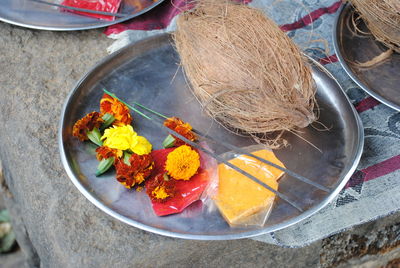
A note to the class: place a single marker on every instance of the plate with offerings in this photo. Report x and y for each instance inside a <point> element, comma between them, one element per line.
<point>207,134</point>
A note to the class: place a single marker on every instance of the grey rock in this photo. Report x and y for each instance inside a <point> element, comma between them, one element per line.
<point>13,260</point>
<point>373,243</point>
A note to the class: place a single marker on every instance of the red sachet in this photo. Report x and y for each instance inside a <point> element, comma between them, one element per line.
<point>187,192</point>
<point>111,6</point>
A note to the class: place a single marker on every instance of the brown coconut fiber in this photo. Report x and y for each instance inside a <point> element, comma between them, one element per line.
<point>246,73</point>
<point>383,20</point>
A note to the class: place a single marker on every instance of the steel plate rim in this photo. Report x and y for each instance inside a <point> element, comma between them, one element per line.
<point>347,68</point>
<point>100,25</point>
<point>131,222</point>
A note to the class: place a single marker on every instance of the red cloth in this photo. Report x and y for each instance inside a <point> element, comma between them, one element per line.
<point>311,17</point>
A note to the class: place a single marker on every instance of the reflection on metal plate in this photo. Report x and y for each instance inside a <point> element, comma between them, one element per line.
<point>147,72</point>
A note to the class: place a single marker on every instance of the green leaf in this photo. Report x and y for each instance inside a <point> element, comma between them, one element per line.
<point>7,242</point>
<point>108,120</point>
<point>126,158</point>
<point>169,141</point>
<point>4,216</point>
<point>95,136</point>
<point>104,165</point>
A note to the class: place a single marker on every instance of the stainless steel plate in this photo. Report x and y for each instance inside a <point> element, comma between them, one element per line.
<point>34,15</point>
<point>147,72</point>
<point>383,81</point>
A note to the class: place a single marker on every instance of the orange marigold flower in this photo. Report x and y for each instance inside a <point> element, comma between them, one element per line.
<point>87,123</point>
<point>185,129</point>
<point>139,169</point>
<point>104,152</point>
<point>182,163</point>
<point>161,188</point>
<point>119,110</point>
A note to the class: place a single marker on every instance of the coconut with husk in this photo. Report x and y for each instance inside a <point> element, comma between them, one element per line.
<point>245,71</point>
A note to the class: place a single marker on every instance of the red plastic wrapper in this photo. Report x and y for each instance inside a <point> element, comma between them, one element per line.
<point>111,6</point>
<point>187,192</point>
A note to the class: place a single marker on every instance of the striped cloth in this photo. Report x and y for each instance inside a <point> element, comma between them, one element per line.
<point>374,190</point>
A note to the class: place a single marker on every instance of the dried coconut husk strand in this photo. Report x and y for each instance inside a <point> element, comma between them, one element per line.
<point>383,20</point>
<point>246,73</point>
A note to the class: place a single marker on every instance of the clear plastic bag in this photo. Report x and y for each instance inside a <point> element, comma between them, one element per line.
<point>241,201</point>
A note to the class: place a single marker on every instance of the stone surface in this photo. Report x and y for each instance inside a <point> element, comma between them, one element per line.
<point>13,260</point>
<point>373,244</point>
<point>56,226</point>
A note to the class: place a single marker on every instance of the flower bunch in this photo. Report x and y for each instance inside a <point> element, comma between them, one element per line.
<point>119,144</point>
<point>172,176</point>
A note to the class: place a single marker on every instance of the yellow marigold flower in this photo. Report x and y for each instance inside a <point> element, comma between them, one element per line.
<point>182,163</point>
<point>124,138</point>
<point>143,146</point>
